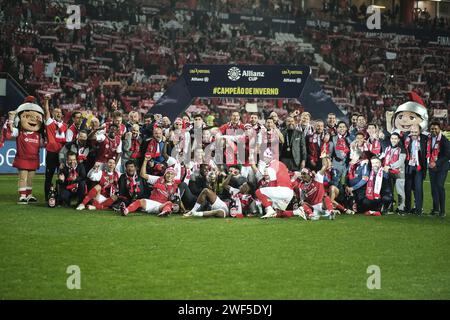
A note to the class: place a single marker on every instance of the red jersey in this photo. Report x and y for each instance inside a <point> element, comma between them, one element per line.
<point>314,143</point>
<point>122,128</point>
<point>27,156</point>
<point>231,148</point>
<point>162,192</point>
<point>56,135</point>
<point>109,148</point>
<point>109,183</point>
<point>71,133</point>
<point>314,191</point>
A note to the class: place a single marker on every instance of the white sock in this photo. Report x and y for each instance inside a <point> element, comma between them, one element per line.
<point>197,214</point>
<point>196,207</point>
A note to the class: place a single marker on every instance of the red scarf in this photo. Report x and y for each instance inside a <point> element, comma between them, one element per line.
<point>325,148</point>
<point>375,147</point>
<point>133,185</point>
<point>408,154</point>
<point>373,186</point>
<point>352,170</point>
<point>153,148</point>
<point>135,148</point>
<point>391,156</point>
<point>433,151</point>
<point>342,145</point>
<point>73,175</point>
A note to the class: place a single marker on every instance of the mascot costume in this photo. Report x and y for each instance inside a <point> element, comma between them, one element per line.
<point>405,116</point>
<point>408,114</point>
<point>25,124</point>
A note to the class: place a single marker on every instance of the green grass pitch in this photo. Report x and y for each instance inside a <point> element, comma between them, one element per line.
<point>146,257</point>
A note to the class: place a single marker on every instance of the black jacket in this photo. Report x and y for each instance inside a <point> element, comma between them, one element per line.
<point>81,176</point>
<point>124,192</point>
<point>297,144</point>
<point>422,154</point>
<point>442,163</point>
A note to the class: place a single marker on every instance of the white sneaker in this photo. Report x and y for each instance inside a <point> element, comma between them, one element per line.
<point>90,207</point>
<point>336,212</point>
<point>81,207</point>
<point>301,213</point>
<point>348,211</point>
<point>187,214</point>
<point>270,213</point>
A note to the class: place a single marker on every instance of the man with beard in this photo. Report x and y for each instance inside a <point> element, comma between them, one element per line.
<point>378,192</point>
<point>314,144</point>
<point>293,150</point>
<point>340,151</point>
<point>72,131</point>
<point>394,163</point>
<point>415,169</point>
<point>55,130</point>
<point>104,193</point>
<point>79,147</point>
<point>132,145</point>
<point>109,146</point>
<point>71,181</point>
<point>438,155</point>
<point>164,188</point>
<point>357,176</point>
<point>233,128</point>
<point>314,199</point>
<point>157,151</point>
<point>131,185</point>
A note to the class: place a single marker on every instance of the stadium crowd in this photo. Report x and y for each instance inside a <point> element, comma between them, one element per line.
<point>109,151</point>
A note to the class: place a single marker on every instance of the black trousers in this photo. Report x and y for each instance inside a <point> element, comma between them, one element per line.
<point>414,181</point>
<point>437,182</point>
<point>186,196</point>
<point>51,164</point>
<point>65,196</point>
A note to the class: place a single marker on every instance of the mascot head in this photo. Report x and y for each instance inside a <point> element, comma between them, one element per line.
<point>411,113</point>
<point>29,116</point>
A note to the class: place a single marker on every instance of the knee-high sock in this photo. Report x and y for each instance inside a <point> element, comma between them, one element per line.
<point>167,207</point>
<point>327,203</point>
<point>134,206</point>
<point>308,210</point>
<point>23,192</point>
<point>340,207</point>
<point>265,201</point>
<point>285,214</point>
<point>104,205</point>
<point>91,195</point>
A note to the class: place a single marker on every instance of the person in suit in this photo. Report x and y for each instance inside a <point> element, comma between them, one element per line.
<point>438,155</point>
<point>293,150</point>
<point>72,181</point>
<point>415,169</point>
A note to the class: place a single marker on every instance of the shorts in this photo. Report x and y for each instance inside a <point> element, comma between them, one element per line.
<point>151,206</point>
<point>219,204</point>
<point>100,198</point>
<point>280,196</point>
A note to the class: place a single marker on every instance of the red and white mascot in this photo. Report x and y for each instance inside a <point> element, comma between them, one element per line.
<point>25,124</point>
